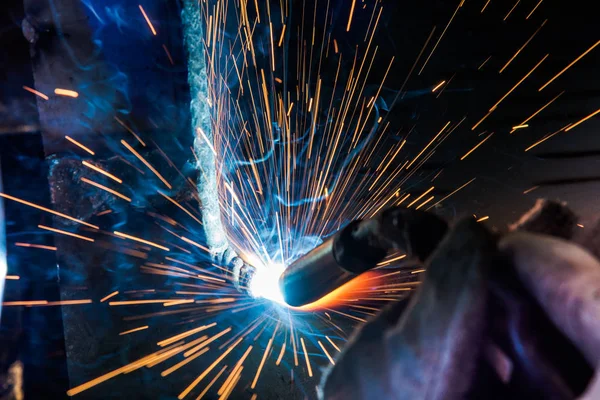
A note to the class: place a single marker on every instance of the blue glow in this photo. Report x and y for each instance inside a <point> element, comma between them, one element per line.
<point>265,283</point>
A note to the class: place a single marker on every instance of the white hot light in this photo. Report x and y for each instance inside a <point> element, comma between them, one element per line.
<point>265,283</point>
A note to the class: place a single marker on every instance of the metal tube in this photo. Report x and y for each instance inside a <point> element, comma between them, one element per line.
<point>358,248</point>
<point>313,275</point>
<point>331,264</point>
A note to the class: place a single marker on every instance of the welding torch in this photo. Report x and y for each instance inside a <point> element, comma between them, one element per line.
<point>357,248</point>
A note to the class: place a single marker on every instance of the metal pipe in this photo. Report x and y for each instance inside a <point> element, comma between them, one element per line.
<point>358,248</point>
<point>216,238</point>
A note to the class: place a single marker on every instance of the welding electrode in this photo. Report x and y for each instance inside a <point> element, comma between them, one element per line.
<point>357,248</point>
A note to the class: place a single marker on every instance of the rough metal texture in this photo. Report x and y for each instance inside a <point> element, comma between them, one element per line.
<point>216,239</point>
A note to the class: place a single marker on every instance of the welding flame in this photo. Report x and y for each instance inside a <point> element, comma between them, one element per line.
<point>265,283</point>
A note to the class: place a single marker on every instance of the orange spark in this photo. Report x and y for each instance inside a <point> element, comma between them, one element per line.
<point>116,292</point>
<point>518,83</point>
<point>350,16</point>
<point>534,8</point>
<point>13,277</point>
<point>420,197</point>
<point>569,66</point>
<point>36,246</point>
<point>137,239</point>
<point>280,354</point>
<point>425,202</point>
<point>539,111</point>
<point>146,163</point>
<point>178,302</point>
<point>230,382</point>
<point>428,144</point>
<point>25,303</point>
<point>333,344</point>
<point>168,54</point>
<point>76,143</point>
<point>483,63</point>
<point>439,85</point>
<point>109,190</point>
<point>480,121</point>
<point>522,47</point>
<point>184,362</point>
<point>262,363</point>
<point>485,6</point>
<point>180,207</point>
<point>326,353</point>
<point>137,302</point>
<point>403,199</point>
<point>211,383</point>
<point>207,370</point>
<point>141,328</point>
<point>66,92</point>
<point>147,20</point>
<point>282,36</point>
<point>582,120</point>
<point>195,244</point>
<point>441,36</point>
<point>272,46</point>
<point>306,357</point>
<point>511,10</point>
<point>31,303</point>
<point>100,170</point>
<point>183,335</point>
<point>66,233</point>
<point>68,302</point>
<point>386,262</point>
<point>475,148</point>
<point>531,189</point>
<point>542,140</point>
<point>37,93</point>
<point>124,125</point>
<point>125,369</point>
<point>207,342</point>
<point>483,218</point>
<point>463,186</point>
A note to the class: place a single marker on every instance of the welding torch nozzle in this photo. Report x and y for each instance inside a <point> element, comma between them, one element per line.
<point>357,248</point>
